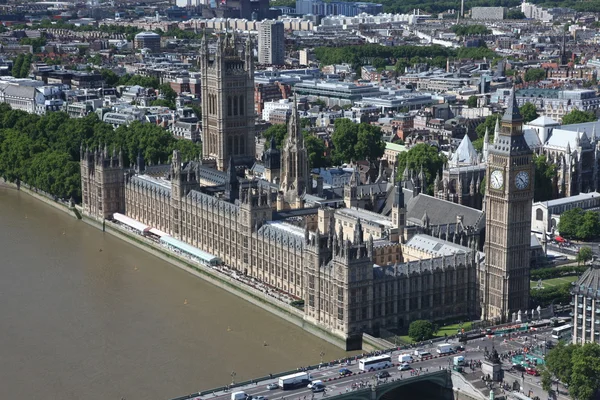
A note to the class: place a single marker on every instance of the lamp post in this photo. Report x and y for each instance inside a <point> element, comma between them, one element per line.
<point>233,374</point>
<point>322,354</point>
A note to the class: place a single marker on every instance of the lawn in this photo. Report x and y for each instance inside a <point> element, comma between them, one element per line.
<point>554,281</point>
<point>448,329</point>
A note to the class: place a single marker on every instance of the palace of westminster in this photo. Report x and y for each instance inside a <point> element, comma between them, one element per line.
<point>369,256</point>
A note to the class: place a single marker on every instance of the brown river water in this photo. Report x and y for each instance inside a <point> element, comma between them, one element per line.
<point>87,316</point>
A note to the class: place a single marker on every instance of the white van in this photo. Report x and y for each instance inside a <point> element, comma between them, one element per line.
<point>404,358</point>
<point>422,354</point>
<point>238,396</point>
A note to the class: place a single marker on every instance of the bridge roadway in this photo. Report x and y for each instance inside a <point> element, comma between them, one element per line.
<point>336,385</point>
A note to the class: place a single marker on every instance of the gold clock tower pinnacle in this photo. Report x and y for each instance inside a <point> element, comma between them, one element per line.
<point>504,280</point>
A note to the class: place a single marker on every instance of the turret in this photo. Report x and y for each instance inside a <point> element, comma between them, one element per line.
<point>140,163</point>
<point>358,233</point>
<point>232,183</point>
<point>497,130</point>
<point>486,143</point>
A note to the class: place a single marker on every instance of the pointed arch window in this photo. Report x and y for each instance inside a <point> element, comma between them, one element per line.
<point>242,105</point>
<point>229,107</point>
<point>235,105</point>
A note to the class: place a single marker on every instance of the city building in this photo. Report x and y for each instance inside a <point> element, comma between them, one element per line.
<point>573,149</point>
<point>488,13</point>
<point>303,57</point>
<point>270,107</point>
<point>271,43</point>
<point>30,96</point>
<point>586,306</point>
<point>556,103</point>
<point>504,281</point>
<point>351,284</point>
<point>228,103</point>
<point>335,92</point>
<point>461,179</point>
<point>349,9</point>
<point>147,40</point>
<point>545,215</point>
<point>269,92</point>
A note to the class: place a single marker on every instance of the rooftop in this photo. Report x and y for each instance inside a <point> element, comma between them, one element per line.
<point>571,199</point>
<point>366,216</point>
<point>435,246</point>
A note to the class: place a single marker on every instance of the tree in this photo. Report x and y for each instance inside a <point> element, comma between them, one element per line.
<point>490,124</point>
<point>576,366</point>
<point>578,117</point>
<point>535,74</point>
<point>579,224</point>
<point>369,145</point>
<point>420,330</point>
<point>544,172</point>
<point>515,14</point>
<point>197,110</point>
<point>353,142</point>
<point>163,103</point>
<point>44,151</point>
<point>315,149</point>
<point>422,156</point>
<point>472,102</point>
<point>470,30</point>
<point>584,254</point>
<point>110,78</point>
<point>16,68</point>
<point>279,131</point>
<point>167,92</point>
<point>528,112</point>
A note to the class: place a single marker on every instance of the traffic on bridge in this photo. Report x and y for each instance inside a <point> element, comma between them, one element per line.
<point>360,372</point>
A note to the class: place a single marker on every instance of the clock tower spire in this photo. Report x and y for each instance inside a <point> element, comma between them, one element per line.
<point>504,280</point>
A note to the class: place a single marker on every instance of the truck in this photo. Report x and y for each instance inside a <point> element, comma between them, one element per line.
<point>459,361</point>
<point>238,396</point>
<point>445,348</point>
<point>404,358</point>
<point>301,379</point>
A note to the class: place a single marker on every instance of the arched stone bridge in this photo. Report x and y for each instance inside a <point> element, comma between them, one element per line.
<point>437,384</point>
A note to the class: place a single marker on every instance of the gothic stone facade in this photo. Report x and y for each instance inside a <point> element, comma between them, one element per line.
<point>227,103</point>
<point>345,292</point>
<point>509,179</point>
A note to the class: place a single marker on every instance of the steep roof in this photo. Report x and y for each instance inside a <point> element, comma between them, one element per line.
<point>465,153</point>
<point>561,138</point>
<point>590,280</point>
<point>512,113</point>
<point>543,121</point>
<point>442,212</point>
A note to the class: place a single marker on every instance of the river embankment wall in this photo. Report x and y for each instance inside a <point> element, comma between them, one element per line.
<point>254,296</point>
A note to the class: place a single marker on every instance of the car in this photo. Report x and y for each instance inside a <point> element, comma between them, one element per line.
<point>532,371</point>
<point>345,371</point>
<point>518,367</point>
<point>404,367</point>
<point>459,348</point>
<point>383,375</point>
<point>318,388</point>
<point>259,398</point>
<point>314,383</point>
<point>272,386</point>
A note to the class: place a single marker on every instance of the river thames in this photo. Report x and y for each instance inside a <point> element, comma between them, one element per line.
<point>87,316</point>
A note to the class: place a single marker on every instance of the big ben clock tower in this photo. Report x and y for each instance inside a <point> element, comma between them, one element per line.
<point>504,282</point>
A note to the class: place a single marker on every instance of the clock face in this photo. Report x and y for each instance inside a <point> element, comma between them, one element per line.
<point>522,180</point>
<point>497,179</point>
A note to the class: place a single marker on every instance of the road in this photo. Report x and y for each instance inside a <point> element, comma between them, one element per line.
<point>474,350</point>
